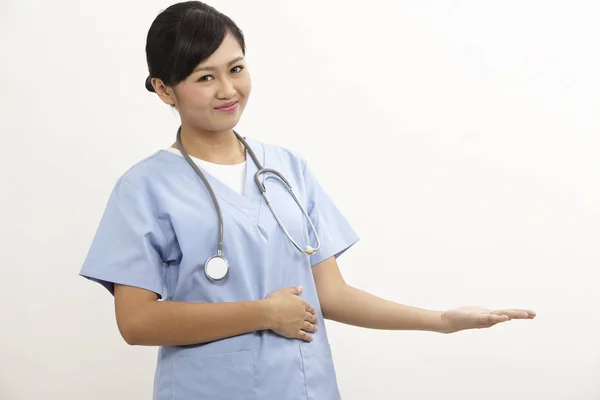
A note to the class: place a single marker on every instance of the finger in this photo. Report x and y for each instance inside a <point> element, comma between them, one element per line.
<point>308,327</point>
<point>310,309</point>
<point>524,314</point>
<point>489,319</point>
<point>297,289</point>
<point>304,336</point>
<point>311,318</point>
<point>516,314</point>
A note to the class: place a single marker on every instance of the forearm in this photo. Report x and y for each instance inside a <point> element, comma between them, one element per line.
<point>353,306</point>
<point>169,323</point>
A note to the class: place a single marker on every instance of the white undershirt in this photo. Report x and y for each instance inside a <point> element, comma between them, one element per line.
<point>233,176</point>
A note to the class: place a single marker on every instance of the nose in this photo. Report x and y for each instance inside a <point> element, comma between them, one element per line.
<point>226,90</point>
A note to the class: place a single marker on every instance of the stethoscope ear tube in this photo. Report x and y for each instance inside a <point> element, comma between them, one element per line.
<point>217,267</point>
<point>208,187</point>
<point>261,171</point>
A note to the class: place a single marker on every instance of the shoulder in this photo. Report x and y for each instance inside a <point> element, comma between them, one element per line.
<point>149,171</point>
<point>281,155</point>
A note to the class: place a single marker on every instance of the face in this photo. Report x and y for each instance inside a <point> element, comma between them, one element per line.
<point>214,95</point>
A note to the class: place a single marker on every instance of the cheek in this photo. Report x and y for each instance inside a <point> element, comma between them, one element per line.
<point>194,97</point>
<point>244,88</point>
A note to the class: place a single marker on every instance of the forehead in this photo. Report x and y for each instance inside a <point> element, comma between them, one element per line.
<point>227,51</point>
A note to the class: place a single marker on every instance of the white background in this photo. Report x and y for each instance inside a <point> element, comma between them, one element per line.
<point>460,138</point>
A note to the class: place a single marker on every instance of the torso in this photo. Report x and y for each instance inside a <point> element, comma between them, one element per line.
<point>258,365</point>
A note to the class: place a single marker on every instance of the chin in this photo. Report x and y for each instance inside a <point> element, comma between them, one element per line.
<point>224,127</point>
<point>226,123</point>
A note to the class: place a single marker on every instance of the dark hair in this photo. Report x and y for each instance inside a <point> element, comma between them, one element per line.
<point>182,36</point>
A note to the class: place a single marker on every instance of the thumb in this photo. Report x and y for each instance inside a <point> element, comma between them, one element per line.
<point>297,289</point>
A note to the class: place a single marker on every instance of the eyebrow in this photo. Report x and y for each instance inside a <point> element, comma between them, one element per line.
<point>207,68</point>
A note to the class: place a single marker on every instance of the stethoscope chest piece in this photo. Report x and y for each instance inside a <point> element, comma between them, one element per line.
<point>216,268</point>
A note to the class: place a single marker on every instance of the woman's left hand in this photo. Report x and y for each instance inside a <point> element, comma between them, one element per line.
<point>476,317</point>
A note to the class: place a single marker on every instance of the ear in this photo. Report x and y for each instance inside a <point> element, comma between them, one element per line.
<point>166,93</point>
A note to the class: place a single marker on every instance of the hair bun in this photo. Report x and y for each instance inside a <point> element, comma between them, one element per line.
<point>149,84</point>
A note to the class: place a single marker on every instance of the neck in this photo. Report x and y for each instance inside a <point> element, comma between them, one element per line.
<point>215,147</point>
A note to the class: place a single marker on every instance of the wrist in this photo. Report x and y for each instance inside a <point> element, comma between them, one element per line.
<point>435,321</point>
<point>443,323</point>
<point>264,314</point>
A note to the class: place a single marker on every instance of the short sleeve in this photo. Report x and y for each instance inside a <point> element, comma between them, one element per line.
<point>127,247</point>
<point>334,230</point>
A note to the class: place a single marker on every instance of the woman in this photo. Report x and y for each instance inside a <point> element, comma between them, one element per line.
<point>246,324</point>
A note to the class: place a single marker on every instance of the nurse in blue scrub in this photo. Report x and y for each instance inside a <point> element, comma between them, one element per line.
<point>233,288</point>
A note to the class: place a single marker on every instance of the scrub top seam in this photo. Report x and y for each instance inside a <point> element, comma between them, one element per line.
<point>303,371</point>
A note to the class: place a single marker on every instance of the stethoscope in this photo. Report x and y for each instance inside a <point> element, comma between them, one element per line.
<point>216,267</point>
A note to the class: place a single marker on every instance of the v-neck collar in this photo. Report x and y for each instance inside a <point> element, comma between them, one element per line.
<point>247,202</point>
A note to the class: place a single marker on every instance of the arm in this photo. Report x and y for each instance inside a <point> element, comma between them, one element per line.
<point>343,303</point>
<point>142,320</point>
<point>346,304</point>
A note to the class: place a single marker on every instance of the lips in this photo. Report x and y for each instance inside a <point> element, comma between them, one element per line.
<point>226,105</point>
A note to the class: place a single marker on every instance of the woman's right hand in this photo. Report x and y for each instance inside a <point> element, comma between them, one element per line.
<point>289,315</point>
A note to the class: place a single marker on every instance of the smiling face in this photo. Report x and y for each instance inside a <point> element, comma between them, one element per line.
<point>213,97</point>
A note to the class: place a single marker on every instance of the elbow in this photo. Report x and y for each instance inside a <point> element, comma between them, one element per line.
<point>130,330</point>
<point>330,310</point>
<point>130,338</point>
<point>327,308</point>
<point>331,300</point>
<point>129,333</point>
<point>132,311</point>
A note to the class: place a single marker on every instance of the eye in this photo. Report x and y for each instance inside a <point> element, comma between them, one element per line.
<point>205,78</point>
<point>237,69</point>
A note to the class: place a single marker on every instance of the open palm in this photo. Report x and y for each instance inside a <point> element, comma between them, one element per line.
<point>477,317</point>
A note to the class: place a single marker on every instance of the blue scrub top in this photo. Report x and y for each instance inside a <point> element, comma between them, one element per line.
<point>159,228</point>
